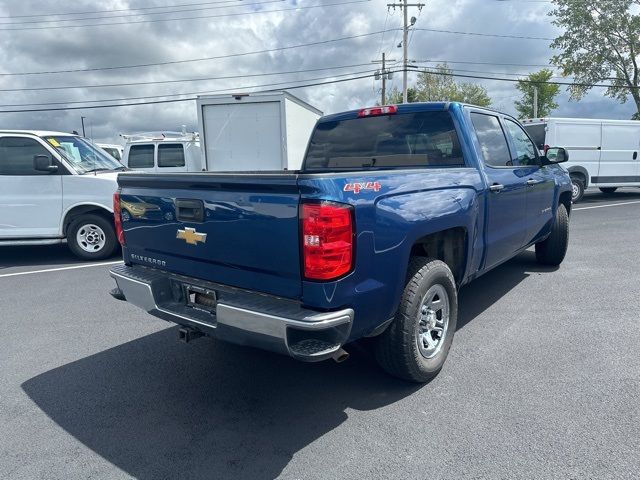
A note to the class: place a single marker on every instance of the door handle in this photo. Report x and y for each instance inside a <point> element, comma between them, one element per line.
<point>496,187</point>
<point>531,182</point>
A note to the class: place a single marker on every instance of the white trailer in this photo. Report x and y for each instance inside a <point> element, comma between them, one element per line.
<point>243,132</point>
<point>602,153</point>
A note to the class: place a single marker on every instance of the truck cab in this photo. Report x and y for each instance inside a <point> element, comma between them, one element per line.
<point>163,152</point>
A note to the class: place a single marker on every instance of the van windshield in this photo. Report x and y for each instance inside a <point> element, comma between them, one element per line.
<point>537,133</point>
<point>421,139</point>
<point>83,156</point>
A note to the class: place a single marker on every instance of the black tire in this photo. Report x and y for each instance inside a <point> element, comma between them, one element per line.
<point>396,349</point>
<point>553,250</point>
<point>577,184</point>
<point>104,248</point>
<point>608,190</point>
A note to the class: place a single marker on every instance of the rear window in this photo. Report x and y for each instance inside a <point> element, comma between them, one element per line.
<point>422,139</point>
<point>537,134</point>
<point>141,156</point>
<point>113,152</point>
<point>170,155</point>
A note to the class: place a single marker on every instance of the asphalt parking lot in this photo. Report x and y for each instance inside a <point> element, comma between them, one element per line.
<point>543,380</point>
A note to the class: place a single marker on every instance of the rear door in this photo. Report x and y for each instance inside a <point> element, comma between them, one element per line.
<point>170,157</point>
<point>506,203</point>
<point>141,156</point>
<point>540,181</point>
<point>30,200</point>
<point>619,163</point>
<point>243,137</point>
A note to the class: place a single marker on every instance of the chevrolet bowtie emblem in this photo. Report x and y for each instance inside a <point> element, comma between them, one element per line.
<point>190,236</point>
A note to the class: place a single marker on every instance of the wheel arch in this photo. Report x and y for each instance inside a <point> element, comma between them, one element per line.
<point>581,172</point>
<point>449,245</point>
<point>565,199</point>
<point>78,210</point>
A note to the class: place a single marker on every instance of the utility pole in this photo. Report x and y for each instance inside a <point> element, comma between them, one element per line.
<point>405,40</point>
<point>82,121</point>
<point>383,74</point>
<point>535,101</point>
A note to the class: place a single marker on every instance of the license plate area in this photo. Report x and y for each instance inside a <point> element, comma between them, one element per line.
<point>200,298</point>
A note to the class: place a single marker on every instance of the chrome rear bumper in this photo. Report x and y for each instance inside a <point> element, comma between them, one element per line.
<point>242,317</point>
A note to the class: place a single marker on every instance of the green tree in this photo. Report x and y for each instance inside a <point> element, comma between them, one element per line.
<point>396,96</point>
<point>439,85</point>
<point>547,94</point>
<point>600,43</point>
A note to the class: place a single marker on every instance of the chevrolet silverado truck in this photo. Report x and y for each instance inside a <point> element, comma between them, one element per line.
<point>394,209</point>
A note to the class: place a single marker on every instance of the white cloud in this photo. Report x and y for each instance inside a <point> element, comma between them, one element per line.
<point>95,47</point>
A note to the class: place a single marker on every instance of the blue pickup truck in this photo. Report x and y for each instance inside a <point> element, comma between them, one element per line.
<point>394,209</point>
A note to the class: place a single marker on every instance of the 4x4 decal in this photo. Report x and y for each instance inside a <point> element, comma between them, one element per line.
<point>358,187</point>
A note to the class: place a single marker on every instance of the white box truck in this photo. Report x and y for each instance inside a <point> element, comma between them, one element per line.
<point>602,153</point>
<point>252,132</point>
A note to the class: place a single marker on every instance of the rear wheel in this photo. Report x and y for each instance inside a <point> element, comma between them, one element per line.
<point>553,250</point>
<point>577,189</point>
<point>415,345</point>
<point>608,190</point>
<point>92,237</point>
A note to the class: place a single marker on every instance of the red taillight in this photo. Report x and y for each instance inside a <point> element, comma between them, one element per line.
<point>377,111</point>
<point>117,217</point>
<point>327,240</point>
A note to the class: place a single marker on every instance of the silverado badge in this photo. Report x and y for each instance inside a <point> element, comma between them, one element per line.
<point>190,236</point>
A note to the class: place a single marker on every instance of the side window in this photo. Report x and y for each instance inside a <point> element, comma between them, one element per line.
<point>493,143</point>
<point>141,156</point>
<point>525,149</point>
<point>171,155</point>
<point>16,156</point>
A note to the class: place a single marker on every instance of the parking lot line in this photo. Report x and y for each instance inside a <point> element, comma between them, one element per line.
<point>73,267</point>
<point>607,205</point>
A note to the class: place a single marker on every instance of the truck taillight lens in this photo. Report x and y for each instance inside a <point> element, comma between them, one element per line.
<point>327,240</point>
<point>117,217</point>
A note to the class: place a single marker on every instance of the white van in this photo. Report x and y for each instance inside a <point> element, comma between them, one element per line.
<point>602,153</point>
<point>57,187</point>
<point>163,152</point>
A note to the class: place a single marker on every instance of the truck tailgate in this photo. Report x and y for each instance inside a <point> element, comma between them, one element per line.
<point>245,235</point>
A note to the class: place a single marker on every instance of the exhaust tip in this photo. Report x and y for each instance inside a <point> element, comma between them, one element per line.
<point>340,355</point>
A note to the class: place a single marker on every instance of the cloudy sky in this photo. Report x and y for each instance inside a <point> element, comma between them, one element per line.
<point>120,34</point>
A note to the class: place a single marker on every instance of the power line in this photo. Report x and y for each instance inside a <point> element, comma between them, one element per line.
<point>198,17</point>
<point>185,80</point>
<point>479,34</point>
<point>217,57</point>
<point>360,75</point>
<point>486,63</point>
<point>513,80</point>
<point>61,14</point>
<point>140,14</point>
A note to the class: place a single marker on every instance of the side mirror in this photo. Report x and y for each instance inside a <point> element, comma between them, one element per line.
<point>43,163</point>
<point>555,155</point>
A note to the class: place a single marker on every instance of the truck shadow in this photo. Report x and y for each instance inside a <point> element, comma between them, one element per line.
<point>157,408</point>
<point>480,294</point>
<point>41,255</point>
